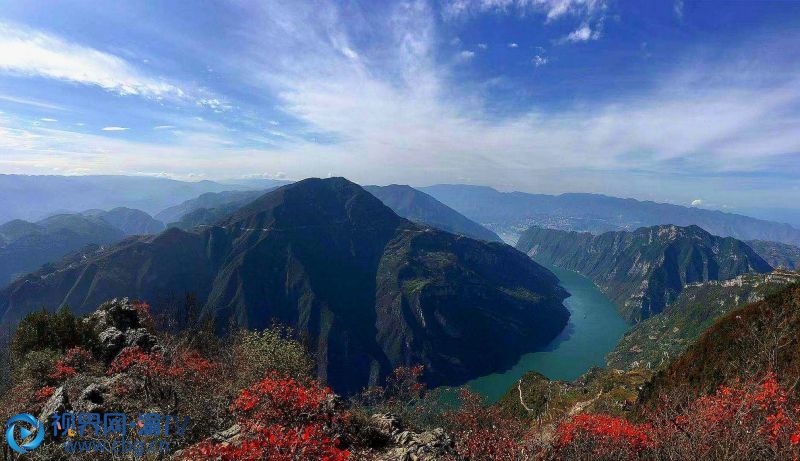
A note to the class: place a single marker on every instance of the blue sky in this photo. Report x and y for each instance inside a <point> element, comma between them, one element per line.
<point>684,102</point>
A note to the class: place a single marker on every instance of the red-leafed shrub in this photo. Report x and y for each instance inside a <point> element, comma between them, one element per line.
<point>190,366</point>
<point>281,419</point>
<point>483,433</point>
<point>756,419</point>
<point>133,358</point>
<point>76,361</point>
<point>44,393</point>
<point>601,437</point>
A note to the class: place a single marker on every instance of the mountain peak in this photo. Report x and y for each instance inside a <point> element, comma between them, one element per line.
<point>313,202</point>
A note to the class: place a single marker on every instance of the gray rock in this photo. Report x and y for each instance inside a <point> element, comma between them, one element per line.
<point>407,445</point>
<point>57,403</point>
<point>111,342</point>
<point>140,337</point>
<point>119,324</point>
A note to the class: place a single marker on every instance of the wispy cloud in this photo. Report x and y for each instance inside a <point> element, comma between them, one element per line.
<point>552,9</point>
<point>677,8</point>
<point>30,52</point>
<point>46,119</point>
<point>114,128</point>
<point>513,45</point>
<point>31,102</point>
<point>164,127</point>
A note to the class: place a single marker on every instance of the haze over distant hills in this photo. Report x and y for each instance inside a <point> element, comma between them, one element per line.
<point>511,213</point>
<point>34,197</point>
<point>371,290</point>
<point>645,270</point>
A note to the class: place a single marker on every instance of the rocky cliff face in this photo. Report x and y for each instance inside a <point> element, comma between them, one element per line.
<point>370,290</point>
<point>644,270</point>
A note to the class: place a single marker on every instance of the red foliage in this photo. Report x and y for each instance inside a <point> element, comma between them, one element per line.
<point>190,366</point>
<point>77,360</point>
<point>145,316</point>
<point>751,415</point>
<point>134,358</point>
<point>483,433</point>
<point>275,443</point>
<point>603,436</point>
<point>754,419</point>
<point>405,383</point>
<point>44,393</point>
<point>281,419</point>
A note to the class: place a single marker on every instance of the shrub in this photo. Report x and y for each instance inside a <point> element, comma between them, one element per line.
<point>37,366</point>
<point>281,419</point>
<point>483,433</point>
<point>57,331</point>
<point>271,350</point>
<point>601,437</point>
<point>77,360</point>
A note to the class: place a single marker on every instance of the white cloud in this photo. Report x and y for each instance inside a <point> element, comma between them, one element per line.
<point>164,127</point>
<point>513,45</point>
<point>33,53</point>
<point>214,104</point>
<point>539,60</point>
<point>582,34</point>
<point>483,46</point>
<point>697,202</point>
<point>466,55</point>
<point>46,119</point>
<point>114,128</point>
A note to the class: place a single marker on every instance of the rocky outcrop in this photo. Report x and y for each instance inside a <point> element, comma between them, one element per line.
<point>119,324</point>
<point>407,445</point>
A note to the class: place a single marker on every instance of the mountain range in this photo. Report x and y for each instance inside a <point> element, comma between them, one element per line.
<point>369,289</point>
<point>24,245</point>
<point>510,213</point>
<point>645,270</point>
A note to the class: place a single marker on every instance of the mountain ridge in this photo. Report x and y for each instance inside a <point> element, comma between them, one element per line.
<point>644,270</point>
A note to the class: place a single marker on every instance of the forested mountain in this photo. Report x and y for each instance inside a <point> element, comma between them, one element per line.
<point>660,339</point>
<point>750,341</point>
<point>645,270</point>
<point>369,289</point>
<point>513,212</point>
<point>421,208</point>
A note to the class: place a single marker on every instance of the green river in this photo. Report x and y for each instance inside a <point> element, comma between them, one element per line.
<point>594,328</point>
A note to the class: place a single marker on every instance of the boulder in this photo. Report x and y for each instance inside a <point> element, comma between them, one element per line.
<point>118,324</point>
